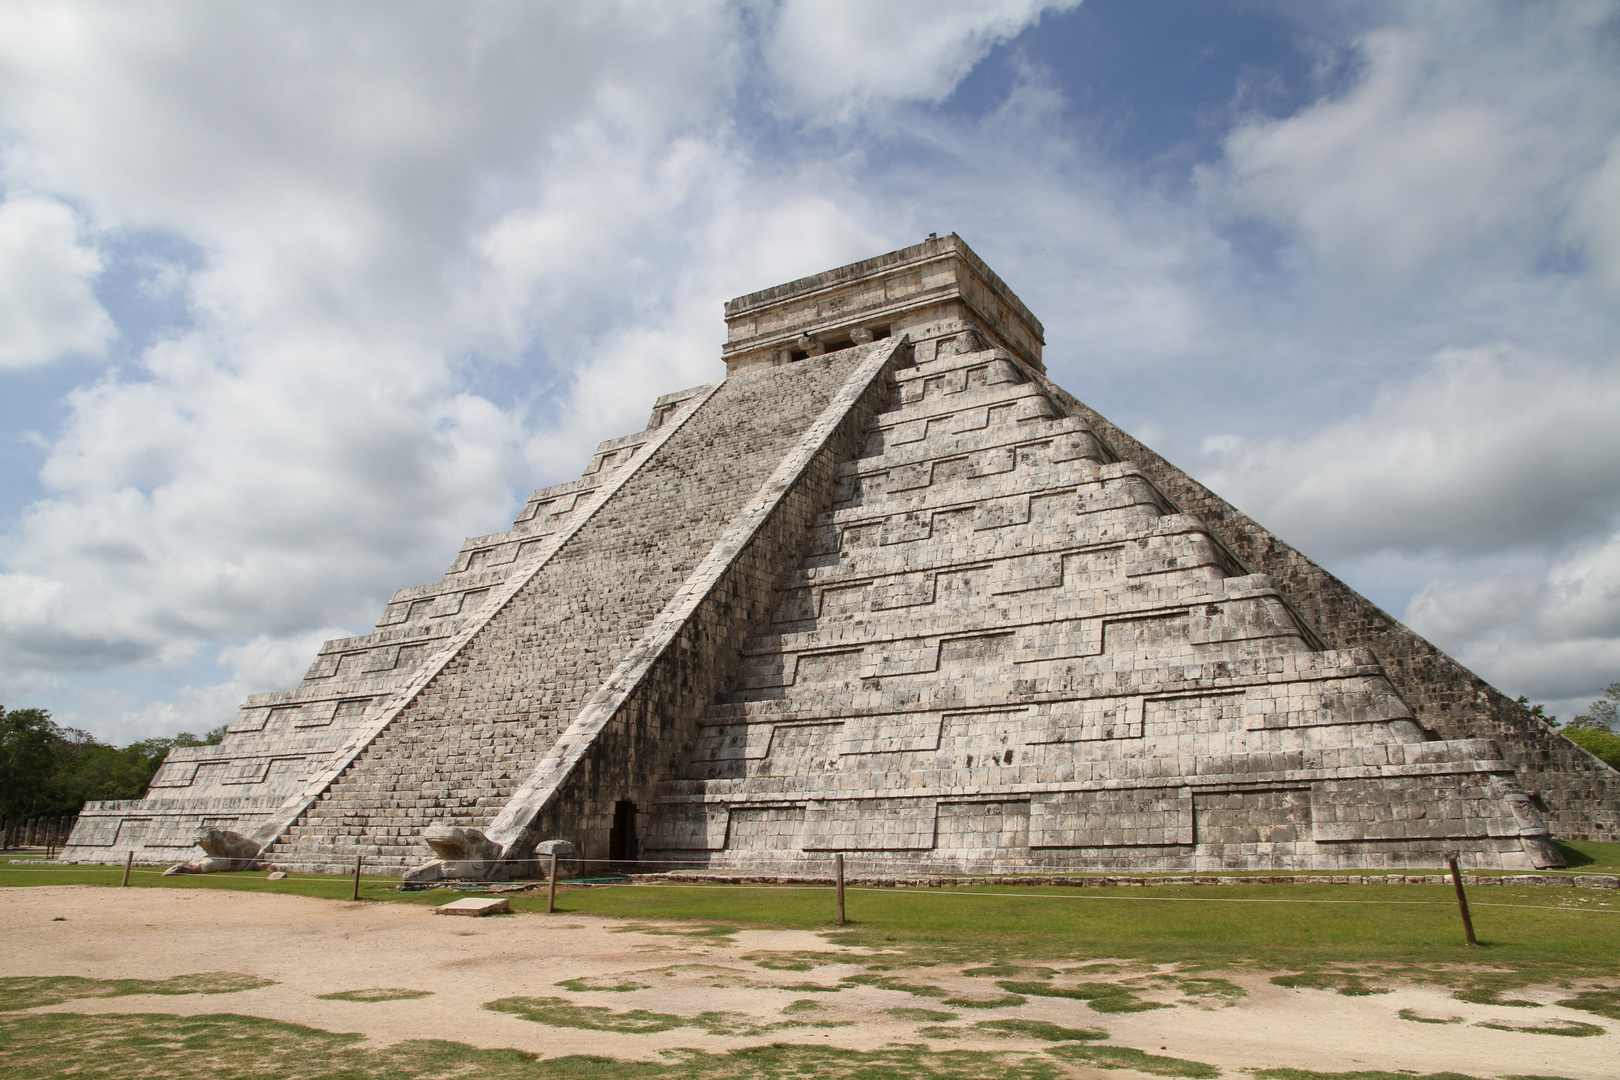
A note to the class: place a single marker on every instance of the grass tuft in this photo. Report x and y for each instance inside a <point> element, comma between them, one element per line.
<point>803,1005</point>
<point>1347,984</point>
<point>1123,1057</point>
<point>1040,1029</point>
<point>1600,1002</point>
<point>376,993</point>
<point>993,1001</point>
<point>1573,1028</point>
<point>1003,970</point>
<point>1103,997</point>
<point>607,983</point>
<point>1203,990</point>
<point>1418,1018</point>
<point>30,991</point>
<point>559,1012</point>
<point>1492,995</point>
<point>921,1016</point>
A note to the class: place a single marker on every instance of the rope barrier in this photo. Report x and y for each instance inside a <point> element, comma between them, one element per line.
<point>906,890</point>
<point>883,869</point>
<point>876,864</point>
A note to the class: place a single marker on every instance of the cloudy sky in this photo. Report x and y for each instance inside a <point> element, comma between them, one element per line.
<point>295,296</point>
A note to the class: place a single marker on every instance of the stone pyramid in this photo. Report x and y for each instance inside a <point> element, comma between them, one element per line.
<point>886,590</point>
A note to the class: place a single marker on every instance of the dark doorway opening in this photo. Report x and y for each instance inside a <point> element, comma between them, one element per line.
<point>622,838</point>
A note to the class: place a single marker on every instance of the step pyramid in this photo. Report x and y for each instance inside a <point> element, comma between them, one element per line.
<point>883,590</point>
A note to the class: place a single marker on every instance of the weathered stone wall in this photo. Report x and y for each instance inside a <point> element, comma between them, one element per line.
<point>652,721</point>
<point>463,745</point>
<point>283,747</point>
<point>1578,795</point>
<point>1005,648</point>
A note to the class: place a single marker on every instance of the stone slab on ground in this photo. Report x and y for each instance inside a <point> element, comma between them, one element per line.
<point>475,905</point>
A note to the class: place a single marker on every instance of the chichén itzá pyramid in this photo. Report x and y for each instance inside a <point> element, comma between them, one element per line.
<point>888,591</point>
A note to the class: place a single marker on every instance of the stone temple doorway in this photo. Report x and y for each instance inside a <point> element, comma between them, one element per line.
<point>622,845</point>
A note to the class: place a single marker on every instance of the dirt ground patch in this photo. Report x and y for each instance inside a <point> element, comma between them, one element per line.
<point>571,984</point>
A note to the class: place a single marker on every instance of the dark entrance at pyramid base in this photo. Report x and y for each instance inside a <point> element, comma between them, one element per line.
<point>622,844</point>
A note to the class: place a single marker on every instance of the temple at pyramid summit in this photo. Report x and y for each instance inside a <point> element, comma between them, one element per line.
<point>884,590</point>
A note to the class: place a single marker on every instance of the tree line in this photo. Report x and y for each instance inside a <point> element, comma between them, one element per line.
<point>1594,730</point>
<point>50,770</point>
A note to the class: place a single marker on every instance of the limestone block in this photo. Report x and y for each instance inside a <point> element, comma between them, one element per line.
<point>1121,817</point>
<point>869,825</point>
<point>700,827</point>
<point>476,906</point>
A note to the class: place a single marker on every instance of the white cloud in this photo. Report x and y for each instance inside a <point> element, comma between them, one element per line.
<point>1595,222</point>
<point>843,54</point>
<point>1458,137</point>
<point>307,443</point>
<point>1484,449</point>
<point>1553,636</point>
<point>47,306</point>
<point>197,502</point>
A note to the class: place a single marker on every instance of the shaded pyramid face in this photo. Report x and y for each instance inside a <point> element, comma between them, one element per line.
<point>1004,648</point>
<point>882,590</point>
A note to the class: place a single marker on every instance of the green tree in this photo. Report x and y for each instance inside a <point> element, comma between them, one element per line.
<point>1538,710</point>
<point>49,769</point>
<point>28,760</point>
<point>1602,714</point>
<point>37,759</point>
<point>1594,730</point>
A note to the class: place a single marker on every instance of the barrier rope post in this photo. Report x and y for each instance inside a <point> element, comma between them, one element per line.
<point>356,894</point>
<point>838,879</point>
<point>128,862</point>
<point>551,886</point>
<point>1462,900</point>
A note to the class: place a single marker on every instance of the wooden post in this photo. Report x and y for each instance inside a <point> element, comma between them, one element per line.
<point>551,886</point>
<point>1462,900</point>
<point>129,862</point>
<point>356,894</point>
<point>838,880</point>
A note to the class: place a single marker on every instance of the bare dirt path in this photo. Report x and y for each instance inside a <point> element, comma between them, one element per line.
<point>314,947</point>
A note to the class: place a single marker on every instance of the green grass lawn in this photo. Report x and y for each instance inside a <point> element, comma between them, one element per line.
<point>1526,933</point>
<point>1591,856</point>
<point>1268,925</point>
